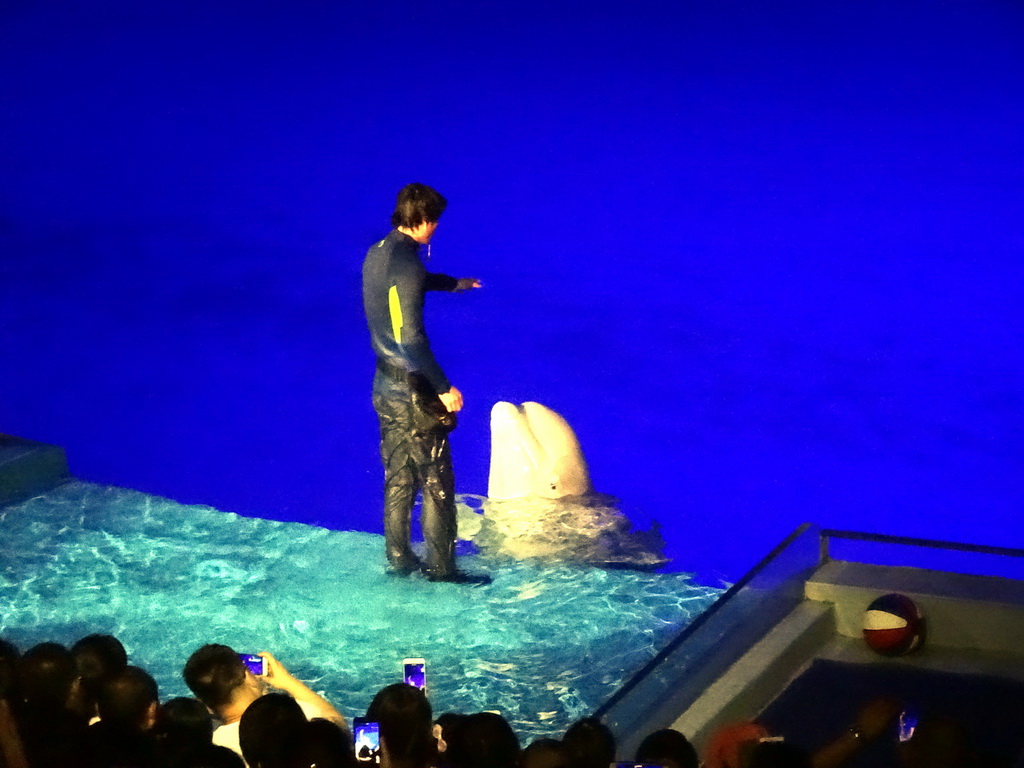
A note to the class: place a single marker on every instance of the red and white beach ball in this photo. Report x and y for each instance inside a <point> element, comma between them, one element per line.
<point>893,625</point>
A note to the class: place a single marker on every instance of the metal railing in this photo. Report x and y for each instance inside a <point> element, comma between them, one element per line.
<point>828,534</point>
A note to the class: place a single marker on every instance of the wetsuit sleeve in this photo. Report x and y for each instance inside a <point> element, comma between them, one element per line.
<point>438,282</point>
<point>405,303</point>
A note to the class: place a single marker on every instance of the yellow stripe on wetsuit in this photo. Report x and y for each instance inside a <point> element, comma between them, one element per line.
<point>395,307</point>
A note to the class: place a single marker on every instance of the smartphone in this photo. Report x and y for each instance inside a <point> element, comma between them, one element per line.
<point>255,664</point>
<point>907,724</point>
<point>416,673</point>
<point>366,735</point>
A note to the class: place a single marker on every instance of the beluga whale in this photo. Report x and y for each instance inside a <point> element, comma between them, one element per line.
<point>534,451</point>
<point>541,503</point>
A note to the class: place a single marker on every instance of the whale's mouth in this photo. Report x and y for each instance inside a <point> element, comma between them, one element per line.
<point>534,452</point>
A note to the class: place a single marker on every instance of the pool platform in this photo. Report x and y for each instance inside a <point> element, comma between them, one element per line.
<point>784,647</point>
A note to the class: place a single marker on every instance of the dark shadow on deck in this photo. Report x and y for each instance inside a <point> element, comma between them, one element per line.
<point>28,468</point>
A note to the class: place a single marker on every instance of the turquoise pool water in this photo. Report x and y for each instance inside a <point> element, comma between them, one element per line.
<point>543,644</point>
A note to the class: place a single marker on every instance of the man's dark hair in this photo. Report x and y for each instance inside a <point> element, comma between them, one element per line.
<point>667,744</point>
<point>450,725</point>
<point>213,673</point>
<point>939,742</point>
<point>185,725</point>
<point>184,736</point>
<point>416,204</point>
<point>47,674</point>
<point>485,739</point>
<point>321,743</point>
<point>125,697</point>
<point>590,744</point>
<point>96,657</point>
<point>406,724</point>
<point>267,729</point>
<point>545,752</point>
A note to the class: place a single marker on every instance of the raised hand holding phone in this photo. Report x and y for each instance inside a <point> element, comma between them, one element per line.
<point>415,673</point>
<point>366,737</point>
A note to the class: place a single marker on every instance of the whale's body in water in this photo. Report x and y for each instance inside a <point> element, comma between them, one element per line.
<point>540,502</point>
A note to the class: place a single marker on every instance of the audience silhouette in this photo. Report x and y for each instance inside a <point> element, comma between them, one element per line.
<point>87,707</point>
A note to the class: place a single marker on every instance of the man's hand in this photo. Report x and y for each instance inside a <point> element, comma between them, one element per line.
<point>465,284</point>
<point>452,400</point>
<point>279,677</point>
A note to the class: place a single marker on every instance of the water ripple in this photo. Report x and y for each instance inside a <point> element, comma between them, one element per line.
<point>543,644</point>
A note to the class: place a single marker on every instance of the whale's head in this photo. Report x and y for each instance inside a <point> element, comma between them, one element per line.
<point>534,451</point>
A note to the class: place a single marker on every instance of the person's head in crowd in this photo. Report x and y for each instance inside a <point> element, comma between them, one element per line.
<point>406,732</point>
<point>938,742</point>
<point>96,657</point>
<point>320,743</point>
<point>446,731</point>
<point>185,737</point>
<point>668,748</point>
<point>485,740</point>
<point>219,679</point>
<point>590,744</point>
<point>9,658</point>
<point>52,732</point>
<point>267,727</point>
<point>184,732</point>
<point>128,707</point>
<point>778,754</point>
<point>730,744</point>
<point>129,699</point>
<point>47,676</point>
<point>545,753</point>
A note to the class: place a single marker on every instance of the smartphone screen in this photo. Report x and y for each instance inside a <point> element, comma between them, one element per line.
<point>907,724</point>
<point>366,735</point>
<point>255,664</point>
<point>416,673</point>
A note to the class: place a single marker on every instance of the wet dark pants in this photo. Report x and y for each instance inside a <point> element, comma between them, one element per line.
<point>415,460</point>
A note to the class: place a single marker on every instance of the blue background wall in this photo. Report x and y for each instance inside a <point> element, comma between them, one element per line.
<point>765,257</point>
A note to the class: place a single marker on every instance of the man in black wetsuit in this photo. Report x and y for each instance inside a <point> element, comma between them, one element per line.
<point>414,400</point>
